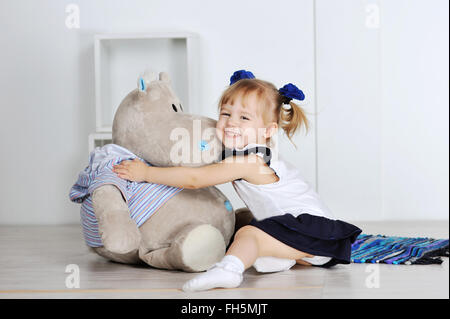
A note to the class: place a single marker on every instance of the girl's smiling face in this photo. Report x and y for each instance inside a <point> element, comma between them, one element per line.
<point>240,125</point>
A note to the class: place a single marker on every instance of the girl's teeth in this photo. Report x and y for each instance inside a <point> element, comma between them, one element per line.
<point>232,134</point>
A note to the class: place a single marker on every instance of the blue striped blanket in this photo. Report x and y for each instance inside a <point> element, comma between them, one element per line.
<point>398,250</point>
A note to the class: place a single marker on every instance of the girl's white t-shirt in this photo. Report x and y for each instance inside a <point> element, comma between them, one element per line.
<point>291,194</point>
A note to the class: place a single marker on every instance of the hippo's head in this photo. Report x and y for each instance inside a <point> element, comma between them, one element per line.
<point>151,123</point>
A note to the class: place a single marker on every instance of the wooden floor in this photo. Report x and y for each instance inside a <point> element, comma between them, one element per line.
<point>33,264</point>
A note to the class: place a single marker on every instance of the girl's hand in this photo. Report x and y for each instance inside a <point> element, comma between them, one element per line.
<point>134,170</point>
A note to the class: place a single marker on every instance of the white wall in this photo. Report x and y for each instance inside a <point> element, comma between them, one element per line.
<point>382,97</point>
<point>415,109</point>
<point>382,151</point>
<point>348,102</point>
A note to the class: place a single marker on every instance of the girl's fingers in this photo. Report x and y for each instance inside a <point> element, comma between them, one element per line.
<point>120,170</point>
<point>122,174</point>
<point>122,164</point>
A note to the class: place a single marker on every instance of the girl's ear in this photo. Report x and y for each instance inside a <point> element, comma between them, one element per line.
<point>271,129</point>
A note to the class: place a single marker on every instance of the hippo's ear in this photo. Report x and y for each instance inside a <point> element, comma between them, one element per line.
<point>163,76</point>
<point>142,86</point>
<point>144,80</point>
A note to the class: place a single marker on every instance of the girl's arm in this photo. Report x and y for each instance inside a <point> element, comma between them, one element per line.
<point>225,171</point>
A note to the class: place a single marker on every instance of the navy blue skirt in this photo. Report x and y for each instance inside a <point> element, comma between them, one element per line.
<point>315,235</point>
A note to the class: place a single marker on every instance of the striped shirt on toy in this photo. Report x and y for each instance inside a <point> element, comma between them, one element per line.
<point>143,199</point>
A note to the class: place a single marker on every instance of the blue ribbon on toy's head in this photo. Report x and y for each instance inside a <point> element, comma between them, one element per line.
<point>239,75</point>
<point>289,91</point>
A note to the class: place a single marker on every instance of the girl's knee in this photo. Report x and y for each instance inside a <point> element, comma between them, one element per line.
<point>247,230</point>
<point>268,245</point>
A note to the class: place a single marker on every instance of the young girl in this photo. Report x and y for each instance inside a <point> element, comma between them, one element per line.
<point>291,224</point>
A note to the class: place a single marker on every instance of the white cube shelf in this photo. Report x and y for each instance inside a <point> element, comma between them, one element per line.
<point>120,58</point>
<point>98,139</point>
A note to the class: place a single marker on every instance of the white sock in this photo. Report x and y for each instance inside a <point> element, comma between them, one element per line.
<point>225,274</point>
<point>273,264</point>
<point>317,260</point>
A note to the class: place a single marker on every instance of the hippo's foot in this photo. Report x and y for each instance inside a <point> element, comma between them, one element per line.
<point>118,231</point>
<point>128,258</point>
<point>195,249</point>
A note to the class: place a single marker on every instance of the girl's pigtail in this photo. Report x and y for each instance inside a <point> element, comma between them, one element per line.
<point>292,118</point>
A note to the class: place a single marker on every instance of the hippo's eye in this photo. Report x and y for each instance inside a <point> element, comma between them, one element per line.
<point>174,108</point>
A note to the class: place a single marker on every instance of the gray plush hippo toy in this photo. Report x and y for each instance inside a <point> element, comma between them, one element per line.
<point>191,231</point>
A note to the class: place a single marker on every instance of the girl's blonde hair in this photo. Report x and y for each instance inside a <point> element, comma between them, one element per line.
<point>271,104</point>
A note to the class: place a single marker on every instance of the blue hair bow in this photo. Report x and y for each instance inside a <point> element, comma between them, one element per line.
<point>241,74</point>
<point>290,91</point>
